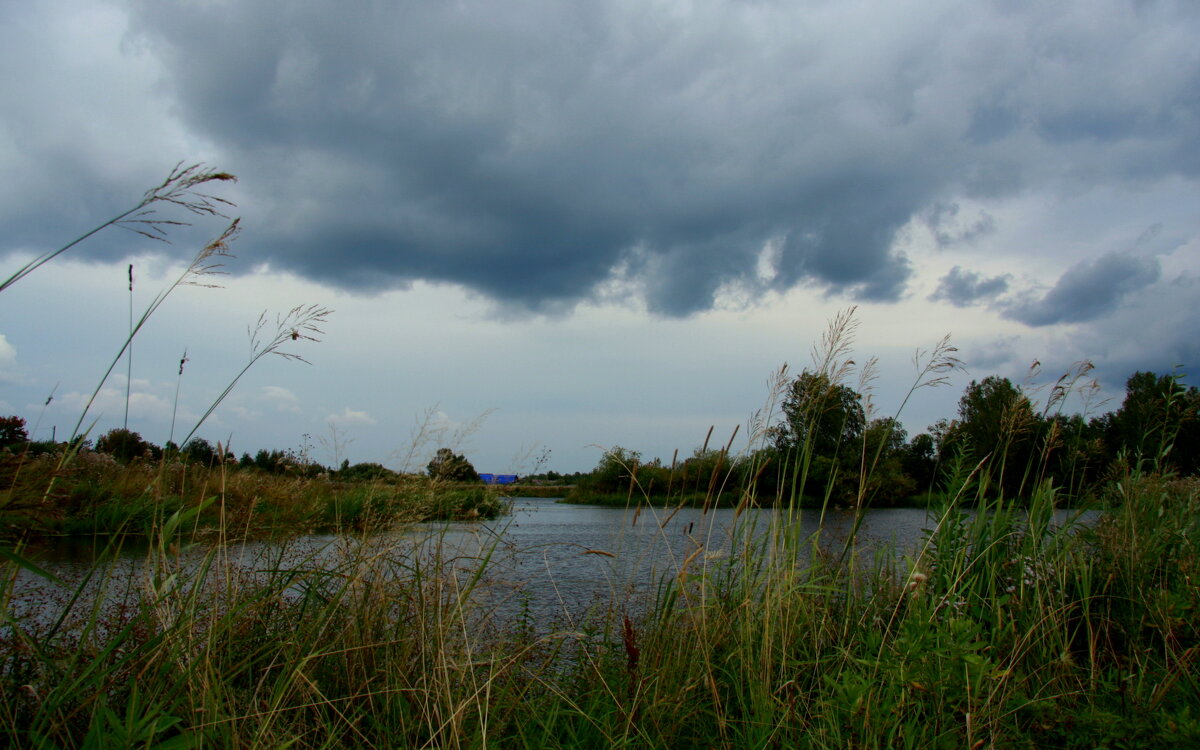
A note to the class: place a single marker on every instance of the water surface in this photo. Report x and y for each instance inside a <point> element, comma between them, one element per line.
<point>546,561</point>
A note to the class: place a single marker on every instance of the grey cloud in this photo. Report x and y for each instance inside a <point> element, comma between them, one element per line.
<point>962,288</point>
<point>949,228</point>
<point>1088,290</point>
<point>1156,335</point>
<point>528,157</point>
<point>991,356</point>
<point>530,150</point>
<point>992,122</point>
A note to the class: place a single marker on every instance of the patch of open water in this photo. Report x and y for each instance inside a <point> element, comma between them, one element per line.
<point>546,561</point>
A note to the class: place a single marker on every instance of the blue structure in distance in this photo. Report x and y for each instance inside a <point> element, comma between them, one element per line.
<point>498,478</point>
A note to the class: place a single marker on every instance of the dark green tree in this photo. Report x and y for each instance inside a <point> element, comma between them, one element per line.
<point>884,437</point>
<point>919,460</point>
<point>819,416</point>
<point>708,470</point>
<point>1072,453</point>
<point>363,472</point>
<point>449,466</point>
<point>200,451</point>
<point>273,461</point>
<point>819,440</point>
<point>997,425</point>
<point>1158,424</point>
<point>613,472</point>
<point>884,480</point>
<point>125,445</point>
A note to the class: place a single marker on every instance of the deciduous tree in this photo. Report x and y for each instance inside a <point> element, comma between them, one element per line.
<point>819,416</point>
<point>452,467</point>
<point>997,424</point>
<point>1158,423</point>
<point>12,432</point>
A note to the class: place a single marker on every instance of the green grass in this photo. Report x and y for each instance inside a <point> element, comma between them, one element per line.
<point>95,494</point>
<point>1002,632</point>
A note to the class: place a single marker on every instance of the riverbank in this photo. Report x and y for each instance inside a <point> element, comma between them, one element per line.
<point>993,634</point>
<point>93,493</point>
<point>736,498</point>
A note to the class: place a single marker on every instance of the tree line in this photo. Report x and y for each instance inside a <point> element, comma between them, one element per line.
<point>825,446</point>
<point>125,445</point>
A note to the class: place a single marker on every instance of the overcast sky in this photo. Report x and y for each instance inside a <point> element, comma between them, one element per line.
<point>549,226</point>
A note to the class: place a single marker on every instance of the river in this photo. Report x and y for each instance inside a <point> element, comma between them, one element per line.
<point>546,561</point>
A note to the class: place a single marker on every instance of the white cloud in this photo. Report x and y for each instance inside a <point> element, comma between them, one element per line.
<point>282,399</point>
<point>8,359</point>
<point>110,403</point>
<point>348,416</point>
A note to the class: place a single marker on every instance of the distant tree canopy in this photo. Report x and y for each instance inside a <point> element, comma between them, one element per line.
<point>1158,424</point>
<point>363,472</point>
<point>613,473</point>
<point>818,416</point>
<point>199,450</point>
<point>824,446</point>
<point>12,431</point>
<point>449,466</point>
<point>274,461</point>
<point>125,445</point>
<point>819,436</point>
<point>998,440</point>
<point>997,429</point>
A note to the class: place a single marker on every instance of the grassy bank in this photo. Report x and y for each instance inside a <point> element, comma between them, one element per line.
<point>542,491</point>
<point>579,496</point>
<point>93,493</point>
<point>1002,632</point>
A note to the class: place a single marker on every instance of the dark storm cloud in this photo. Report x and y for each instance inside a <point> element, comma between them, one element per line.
<point>529,155</point>
<point>531,150</point>
<point>1088,290</point>
<point>962,288</point>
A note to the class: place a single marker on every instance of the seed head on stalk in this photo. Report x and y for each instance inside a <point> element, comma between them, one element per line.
<point>301,323</point>
<point>178,189</point>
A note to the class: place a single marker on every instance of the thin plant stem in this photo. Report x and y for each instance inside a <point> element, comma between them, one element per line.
<point>129,356</point>
<point>175,404</point>
<point>300,323</point>
<point>203,265</point>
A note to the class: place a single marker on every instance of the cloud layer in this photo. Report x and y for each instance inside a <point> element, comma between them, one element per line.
<point>535,151</point>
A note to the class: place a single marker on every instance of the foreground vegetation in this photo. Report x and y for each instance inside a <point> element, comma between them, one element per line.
<point>1002,632</point>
